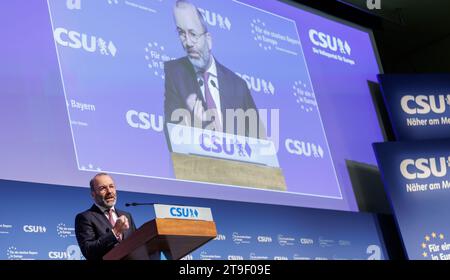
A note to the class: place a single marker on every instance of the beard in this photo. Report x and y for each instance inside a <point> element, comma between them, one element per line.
<point>201,62</point>
<point>109,204</point>
<point>104,202</point>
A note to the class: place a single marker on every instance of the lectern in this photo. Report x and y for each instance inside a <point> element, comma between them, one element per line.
<point>221,158</point>
<point>175,237</point>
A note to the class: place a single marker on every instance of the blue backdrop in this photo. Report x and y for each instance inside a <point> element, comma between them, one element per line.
<point>417,180</point>
<point>37,222</point>
<point>418,105</point>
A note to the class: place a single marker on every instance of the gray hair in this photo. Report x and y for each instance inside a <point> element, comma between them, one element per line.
<point>92,181</point>
<point>185,3</point>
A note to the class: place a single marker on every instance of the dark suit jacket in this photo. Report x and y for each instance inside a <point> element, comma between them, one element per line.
<point>94,232</point>
<point>181,81</point>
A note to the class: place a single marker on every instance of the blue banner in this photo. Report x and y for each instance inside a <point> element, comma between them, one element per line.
<point>37,222</point>
<point>417,180</point>
<point>418,105</point>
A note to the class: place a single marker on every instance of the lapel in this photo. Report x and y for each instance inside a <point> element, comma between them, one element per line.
<point>223,89</point>
<point>191,83</point>
<point>100,216</point>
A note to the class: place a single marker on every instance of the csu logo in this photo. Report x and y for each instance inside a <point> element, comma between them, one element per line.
<point>306,241</point>
<point>264,239</point>
<point>72,252</point>
<point>303,148</point>
<point>145,120</point>
<point>214,144</point>
<point>89,43</point>
<point>184,212</point>
<point>423,168</point>
<point>215,19</point>
<point>326,41</point>
<point>257,84</point>
<point>34,229</point>
<point>220,237</point>
<point>424,104</point>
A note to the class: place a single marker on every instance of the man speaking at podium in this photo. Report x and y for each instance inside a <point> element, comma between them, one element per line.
<point>103,226</point>
<point>198,83</point>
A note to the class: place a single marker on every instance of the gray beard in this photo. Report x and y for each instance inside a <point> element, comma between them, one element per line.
<point>103,203</point>
<point>199,64</point>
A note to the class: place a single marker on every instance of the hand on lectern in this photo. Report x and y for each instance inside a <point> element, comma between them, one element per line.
<point>121,225</point>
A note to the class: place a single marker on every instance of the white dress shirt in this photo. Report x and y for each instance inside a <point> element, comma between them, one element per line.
<point>106,210</point>
<point>213,85</point>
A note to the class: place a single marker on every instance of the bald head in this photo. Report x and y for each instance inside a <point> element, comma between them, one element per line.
<point>193,33</point>
<point>185,7</point>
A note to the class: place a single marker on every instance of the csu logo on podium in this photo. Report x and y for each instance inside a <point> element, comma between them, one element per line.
<point>424,104</point>
<point>423,168</point>
<point>218,145</point>
<point>184,212</point>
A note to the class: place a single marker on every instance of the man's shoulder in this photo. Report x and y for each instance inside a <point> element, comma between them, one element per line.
<point>88,212</point>
<point>176,62</point>
<point>93,210</point>
<point>230,75</point>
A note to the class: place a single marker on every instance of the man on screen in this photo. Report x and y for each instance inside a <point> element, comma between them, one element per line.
<point>103,226</point>
<point>200,85</point>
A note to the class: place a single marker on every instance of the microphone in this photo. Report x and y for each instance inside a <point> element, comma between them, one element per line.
<point>128,204</point>
<point>213,84</point>
<point>201,83</point>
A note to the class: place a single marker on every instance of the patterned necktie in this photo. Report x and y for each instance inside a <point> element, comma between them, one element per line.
<point>211,105</point>
<point>111,220</point>
<point>110,216</point>
<point>208,97</point>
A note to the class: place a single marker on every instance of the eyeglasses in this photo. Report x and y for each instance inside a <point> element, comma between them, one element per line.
<point>194,36</point>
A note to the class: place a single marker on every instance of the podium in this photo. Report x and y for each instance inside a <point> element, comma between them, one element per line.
<point>220,171</point>
<point>221,158</point>
<point>174,237</point>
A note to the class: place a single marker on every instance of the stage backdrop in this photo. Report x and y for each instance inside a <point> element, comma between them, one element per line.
<point>37,222</point>
<point>418,105</point>
<point>83,90</point>
<point>417,180</point>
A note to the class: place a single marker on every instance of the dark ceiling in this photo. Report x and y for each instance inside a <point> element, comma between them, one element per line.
<point>405,30</point>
